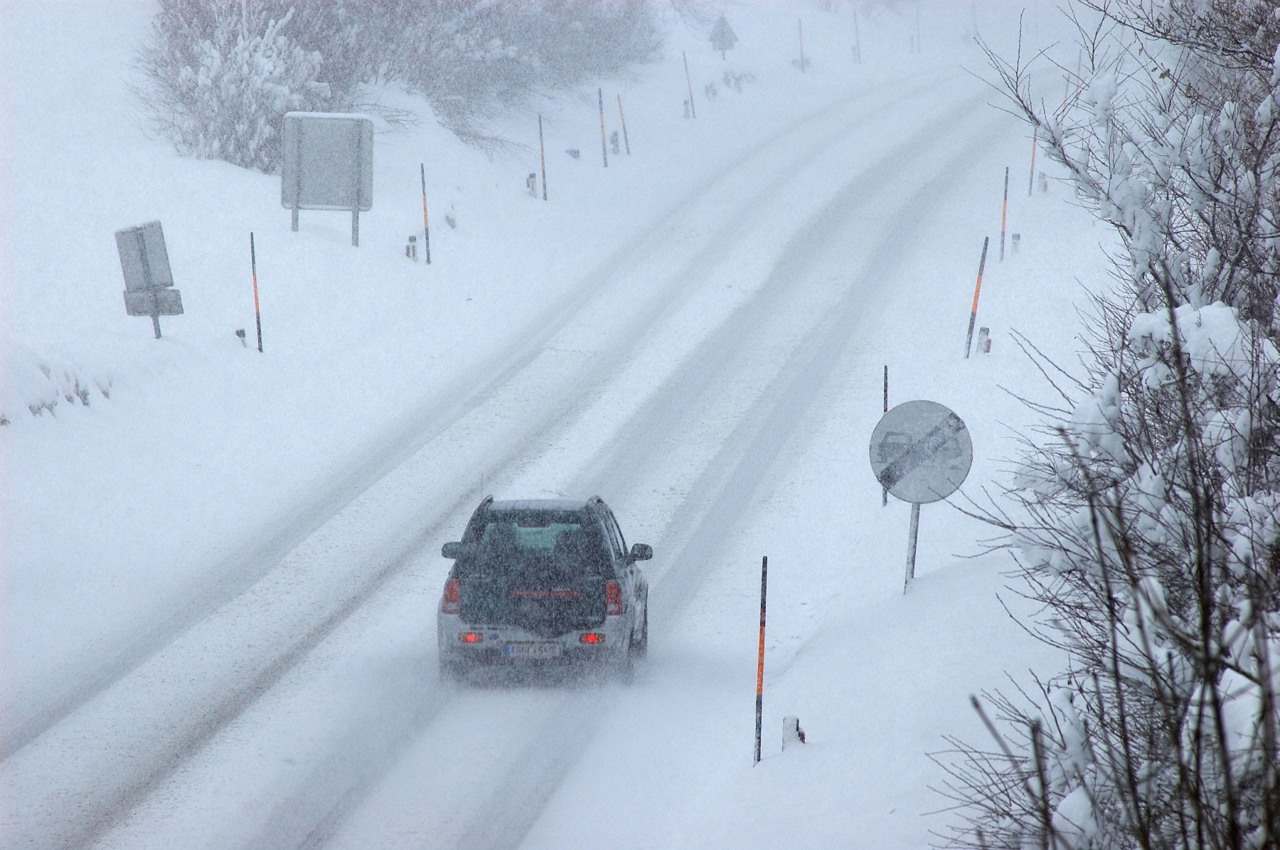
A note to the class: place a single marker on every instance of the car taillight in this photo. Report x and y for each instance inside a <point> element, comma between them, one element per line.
<point>452,601</point>
<point>613,604</point>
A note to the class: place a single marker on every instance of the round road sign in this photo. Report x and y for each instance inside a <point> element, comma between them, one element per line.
<point>921,451</point>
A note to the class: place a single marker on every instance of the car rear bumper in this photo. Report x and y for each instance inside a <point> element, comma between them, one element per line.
<point>470,644</point>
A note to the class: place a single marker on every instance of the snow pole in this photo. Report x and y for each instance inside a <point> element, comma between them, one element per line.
<point>623,118</point>
<point>253,266</point>
<point>604,146</point>
<point>885,489</point>
<point>977,288</point>
<point>764,586</point>
<point>1004,211</point>
<point>802,45</point>
<point>857,38</point>
<point>542,149</point>
<point>1031,178</point>
<point>693,110</point>
<point>426,222</point>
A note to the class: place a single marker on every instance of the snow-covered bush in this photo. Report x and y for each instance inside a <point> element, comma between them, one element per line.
<point>222,76</point>
<point>1149,525</point>
<point>472,60</point>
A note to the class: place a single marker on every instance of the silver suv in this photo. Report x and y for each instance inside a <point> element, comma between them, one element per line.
<point>543,581</point>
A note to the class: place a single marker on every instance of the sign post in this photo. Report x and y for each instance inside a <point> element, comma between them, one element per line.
<point>920,452</point>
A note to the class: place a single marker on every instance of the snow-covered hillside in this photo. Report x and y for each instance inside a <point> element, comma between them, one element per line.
<point>221,566</point>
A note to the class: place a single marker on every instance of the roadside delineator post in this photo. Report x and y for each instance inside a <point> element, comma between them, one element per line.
<point>257,310</point>
<point>604,145</point>
<point>623,118</point>
<point>977,289</point>
<point>542,152</point>
<point>1031,178</point>
<point>1004,211</point>
<point>426,222</point>
<point>764,589</point>
<point>693,110</point>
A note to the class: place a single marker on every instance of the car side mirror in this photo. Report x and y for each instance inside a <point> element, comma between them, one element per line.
<point>455,550</point>
<point>641,552</point>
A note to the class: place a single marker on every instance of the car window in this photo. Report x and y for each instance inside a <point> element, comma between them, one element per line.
<point>518,543</point>
<point>615,536</point>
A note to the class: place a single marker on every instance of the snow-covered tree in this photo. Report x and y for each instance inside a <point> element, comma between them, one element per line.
<point>222,76</point>
<point>1148,523</point>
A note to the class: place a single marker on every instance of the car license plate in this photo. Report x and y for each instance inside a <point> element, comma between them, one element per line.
<point>531,650</point>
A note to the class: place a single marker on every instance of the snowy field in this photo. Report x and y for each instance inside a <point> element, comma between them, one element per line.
<point>221,566</point>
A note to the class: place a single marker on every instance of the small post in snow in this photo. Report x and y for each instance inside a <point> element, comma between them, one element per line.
<point>693,110</point>
<point>857,38</point>
<point>623,118</point>
<point>1035,143</point>
<point>977,288</point>
<point>426,222</point>
<point>604,145</point>
<point>257,311</point>
<point>542,150</point>
<point>801,45</point>
<point>1004,211</point>
<point>764,587</point>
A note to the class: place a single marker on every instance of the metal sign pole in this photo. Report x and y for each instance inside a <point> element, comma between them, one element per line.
<point>913,535</point>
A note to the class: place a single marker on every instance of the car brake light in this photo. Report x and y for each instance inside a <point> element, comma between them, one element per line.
<point>591,637</point>
<point>613,604</point>
<point>471,637</point>
<point>452,601</point>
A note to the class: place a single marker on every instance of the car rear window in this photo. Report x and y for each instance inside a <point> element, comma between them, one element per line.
<point>513,542</point>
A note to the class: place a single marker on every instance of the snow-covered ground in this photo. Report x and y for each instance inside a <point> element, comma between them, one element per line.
<point>221,567</point>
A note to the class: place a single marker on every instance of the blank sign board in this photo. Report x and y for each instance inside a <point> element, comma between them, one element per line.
<point>921,451</point>
<point>328,162</point>
<point>144,260</point>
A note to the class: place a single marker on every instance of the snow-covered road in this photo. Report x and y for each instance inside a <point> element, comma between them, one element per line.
<point>728,343</point>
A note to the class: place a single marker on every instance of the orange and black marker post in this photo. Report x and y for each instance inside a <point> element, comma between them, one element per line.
<point>977,288</point>
<point>257,312</point>
<point>764,586</point>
